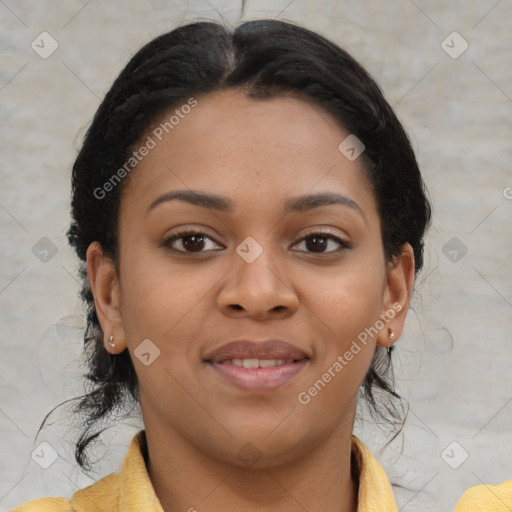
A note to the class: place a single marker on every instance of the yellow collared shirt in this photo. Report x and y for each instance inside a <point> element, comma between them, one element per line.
<point>131,489</point>
<point>487,498</point>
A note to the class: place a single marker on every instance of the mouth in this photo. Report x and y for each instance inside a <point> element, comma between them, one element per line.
<point>257,366</point>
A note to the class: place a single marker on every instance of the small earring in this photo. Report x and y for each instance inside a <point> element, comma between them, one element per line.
<point>111,342</point>
<point>391,334</point>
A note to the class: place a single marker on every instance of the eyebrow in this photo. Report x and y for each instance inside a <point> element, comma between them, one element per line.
<point>298,204</point>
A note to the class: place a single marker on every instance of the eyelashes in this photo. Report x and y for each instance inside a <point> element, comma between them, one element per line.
<point>199,239</point>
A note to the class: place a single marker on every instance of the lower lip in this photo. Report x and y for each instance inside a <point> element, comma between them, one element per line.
<point>258,379</point>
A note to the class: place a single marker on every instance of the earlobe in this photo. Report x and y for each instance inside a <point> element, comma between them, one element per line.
<point>397,295</point>
<point>104,284</point>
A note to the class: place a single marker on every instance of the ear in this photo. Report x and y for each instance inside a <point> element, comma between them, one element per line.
<point>397,295</point>
<point>104,283</point>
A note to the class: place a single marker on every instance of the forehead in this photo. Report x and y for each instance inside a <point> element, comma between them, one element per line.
<point>257,149</point>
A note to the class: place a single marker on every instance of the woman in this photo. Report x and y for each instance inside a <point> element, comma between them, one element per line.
<point>250,216</point>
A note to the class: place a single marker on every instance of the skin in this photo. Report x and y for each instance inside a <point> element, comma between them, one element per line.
<point>258,153</point>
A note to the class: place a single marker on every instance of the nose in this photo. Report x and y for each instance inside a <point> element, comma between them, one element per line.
<point>260,289</point>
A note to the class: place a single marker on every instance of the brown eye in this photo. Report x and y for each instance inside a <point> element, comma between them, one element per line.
<point>318,242</point>
<point>190,241</point>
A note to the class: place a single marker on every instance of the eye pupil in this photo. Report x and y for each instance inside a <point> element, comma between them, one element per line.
<point>316,244</point>
<point>195,240</point>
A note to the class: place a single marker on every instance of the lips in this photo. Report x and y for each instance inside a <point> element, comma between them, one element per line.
<point>257,367</point>
<point>266,350</point>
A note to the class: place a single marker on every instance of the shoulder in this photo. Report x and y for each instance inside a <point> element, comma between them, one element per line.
<point>486,498</point>
<point>44,505</point>
<point>105,491</point>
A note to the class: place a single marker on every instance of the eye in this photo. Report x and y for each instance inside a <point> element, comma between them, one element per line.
<point>192,241</point>
<point>320,241</point>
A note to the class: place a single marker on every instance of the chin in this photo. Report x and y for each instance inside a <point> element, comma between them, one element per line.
<point>267,445</point>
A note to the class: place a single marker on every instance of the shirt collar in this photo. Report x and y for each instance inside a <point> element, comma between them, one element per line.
<point>375,491</point>
<point>131,489</point>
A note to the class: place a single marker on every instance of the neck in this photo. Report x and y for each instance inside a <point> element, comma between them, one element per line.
<point>324,478</point>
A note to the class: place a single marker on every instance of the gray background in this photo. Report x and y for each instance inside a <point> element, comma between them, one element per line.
<point>453,362</point>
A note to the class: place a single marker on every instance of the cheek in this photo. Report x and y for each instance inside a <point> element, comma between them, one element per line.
<point>353,306</point>
<point>155,295</point>
<point>351,299</point>
<point>141,295</point>
<point>345,350</point>
<point>349,306</point>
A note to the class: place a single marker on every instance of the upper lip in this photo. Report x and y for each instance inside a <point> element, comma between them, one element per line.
<point>246,349</point>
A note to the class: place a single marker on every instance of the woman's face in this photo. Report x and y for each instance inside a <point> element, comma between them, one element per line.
<point>252,276</point>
